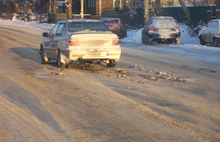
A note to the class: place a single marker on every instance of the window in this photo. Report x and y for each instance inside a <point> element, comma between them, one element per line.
<point>91,3</point>
<point>215,24</point>
<point>210,24</point>
<point>167,21</point>
<point>53,31</point>
<point>60,30</point>
<point>117,4</point>
<point>149,22</point>
<point>115,21</point>
<point>87,26</point>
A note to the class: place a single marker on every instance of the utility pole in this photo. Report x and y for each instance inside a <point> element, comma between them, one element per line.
<point>157,7</point>
<point>54,6</point>
<point>100,8</point>
<point>50,9</point>
<point>186,11</point>
<point>146,11</point>
<point>82,5</point>
<point>69,9</point>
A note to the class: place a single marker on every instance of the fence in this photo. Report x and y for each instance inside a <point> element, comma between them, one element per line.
<point>135,18</point>
<point>132,18</point>
<point>197,14</point>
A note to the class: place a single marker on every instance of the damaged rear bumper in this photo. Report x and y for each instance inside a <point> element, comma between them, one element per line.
<point>91,55</point>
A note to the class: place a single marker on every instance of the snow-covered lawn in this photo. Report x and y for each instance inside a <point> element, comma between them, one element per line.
<point>31,25</point>
<point>190,46</point>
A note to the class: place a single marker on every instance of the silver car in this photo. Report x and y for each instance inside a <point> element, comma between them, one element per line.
<point>80,40</point>
<point>161,28</point>
<point>210,33</point>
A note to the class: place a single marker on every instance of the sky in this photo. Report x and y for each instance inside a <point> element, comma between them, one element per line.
<point>189,47</point>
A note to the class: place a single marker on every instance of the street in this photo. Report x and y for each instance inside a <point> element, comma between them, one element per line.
<point>148,96</point>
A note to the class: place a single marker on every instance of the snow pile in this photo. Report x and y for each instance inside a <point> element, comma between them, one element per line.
<point>14,18</point>
<point>134,36</point>
<point>30,25</point>
<point>186,38</point>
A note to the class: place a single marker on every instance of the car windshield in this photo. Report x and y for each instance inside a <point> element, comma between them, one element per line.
<point>87,26</point>
<point>160,23</point>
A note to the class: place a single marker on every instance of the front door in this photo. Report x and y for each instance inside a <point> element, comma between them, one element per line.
<point>214,30</point>
<point>76,7</point>
<point>91,7</point>
<point>209,30</point>
<point>59,40</point>
<point>49,43</point>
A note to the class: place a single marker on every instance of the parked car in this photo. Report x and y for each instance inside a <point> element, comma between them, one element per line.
<point>80,40</point>
<point>116,26</point>
<point>210,33</point>
<point>161,28</point>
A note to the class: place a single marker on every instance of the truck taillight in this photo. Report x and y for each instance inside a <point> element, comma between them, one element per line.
<point>151,28</point>
<point>73,43</point>
<point>115,41</point>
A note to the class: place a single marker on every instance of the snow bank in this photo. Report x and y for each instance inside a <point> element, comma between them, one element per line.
<point>186,38</point>
<point>31,25</point>
<point>190,46</point>
<point>134,36</point>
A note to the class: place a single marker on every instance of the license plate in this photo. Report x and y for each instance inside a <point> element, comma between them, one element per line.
<point>97,53</point>
<point>164,30</point>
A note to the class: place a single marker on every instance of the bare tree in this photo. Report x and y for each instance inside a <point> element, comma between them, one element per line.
<point>44,6</point>
<point>7,6</point>
<point>201,2</point>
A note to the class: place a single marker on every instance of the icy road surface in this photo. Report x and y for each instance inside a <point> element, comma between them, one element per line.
<point>190,46</point>
<point>150,96</point>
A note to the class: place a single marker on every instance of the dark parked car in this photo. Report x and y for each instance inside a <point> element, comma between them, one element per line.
<point>116,26</point>
<point>210,33</point>
<point>161,28</point>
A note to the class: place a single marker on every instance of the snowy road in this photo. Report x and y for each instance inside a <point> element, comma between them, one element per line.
<point>190,46</point>
<point>149,96</point>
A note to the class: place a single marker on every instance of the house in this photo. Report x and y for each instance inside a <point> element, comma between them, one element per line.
<point>104,8</point>
<point>93,7</point>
